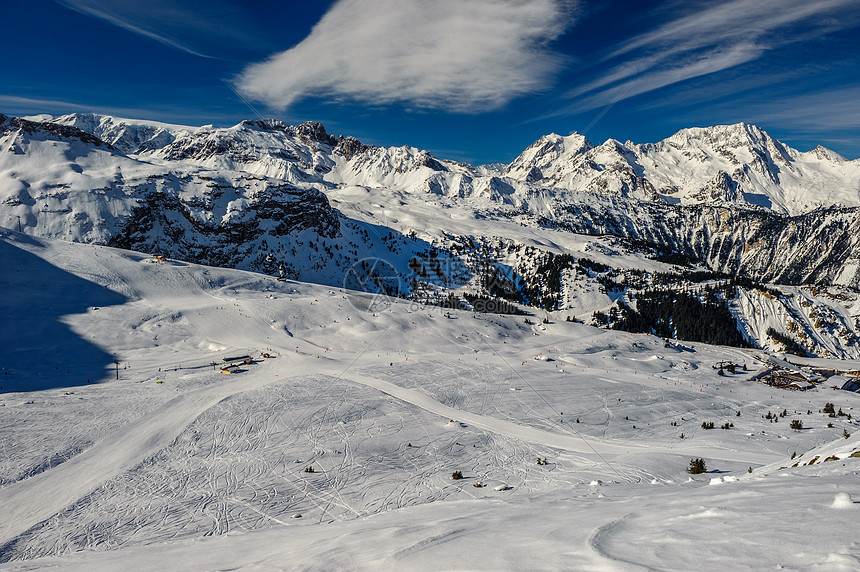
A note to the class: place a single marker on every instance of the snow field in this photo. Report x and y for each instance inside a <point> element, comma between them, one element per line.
<point>186,467</point>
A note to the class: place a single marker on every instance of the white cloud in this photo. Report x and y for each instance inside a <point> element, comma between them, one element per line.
<point>460,55</point>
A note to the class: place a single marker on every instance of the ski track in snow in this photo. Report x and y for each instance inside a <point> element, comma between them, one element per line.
<point>77,477</point>
<point>37,498</point>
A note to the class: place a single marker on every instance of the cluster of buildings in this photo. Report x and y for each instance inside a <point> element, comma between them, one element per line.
<point>796,378</point>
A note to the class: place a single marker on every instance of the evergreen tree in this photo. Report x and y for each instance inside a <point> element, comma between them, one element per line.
<point>697,467</point>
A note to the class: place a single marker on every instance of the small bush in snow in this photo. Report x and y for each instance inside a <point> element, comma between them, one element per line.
<point>797,425</point>
<point>697,467</point>
<point>457,475</point>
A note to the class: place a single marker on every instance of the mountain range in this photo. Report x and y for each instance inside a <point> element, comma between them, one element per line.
<point>569,226</point>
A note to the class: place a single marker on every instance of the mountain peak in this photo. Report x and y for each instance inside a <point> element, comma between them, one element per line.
<point>265,124</point>
<point>314,131</point>
<point>349,146</point>
<point>573,141</point>
<point>826,154</point>
<point>735,133</point>
<point>676,169</point>
<point>545,151</point>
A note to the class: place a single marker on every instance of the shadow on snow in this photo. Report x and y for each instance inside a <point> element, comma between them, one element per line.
<point>37,349</point>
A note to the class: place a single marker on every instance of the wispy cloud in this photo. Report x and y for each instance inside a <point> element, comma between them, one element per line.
<point>734,87</point>
<point>17,105</point>
<point>820,112</point>
<point>180,25</point>
<point>708,41</point>
<point>458,55</point>
<point>703,64</point>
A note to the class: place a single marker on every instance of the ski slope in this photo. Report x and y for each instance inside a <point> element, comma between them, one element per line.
<point>175,465</point>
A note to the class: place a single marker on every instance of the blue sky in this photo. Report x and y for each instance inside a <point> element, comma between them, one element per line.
<point>470,80</point>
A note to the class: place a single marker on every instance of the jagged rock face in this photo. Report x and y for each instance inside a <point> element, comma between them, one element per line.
<point>313,132</point>
<point>820,247</point>
<point>722,189</point>
<point>824,154</point>
<point>188,228</point>
<point>269,148</point>
<point>348,147</point>
<point>16,126</point>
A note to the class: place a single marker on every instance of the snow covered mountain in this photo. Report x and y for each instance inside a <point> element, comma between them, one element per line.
<point>271,197</point>
<point>127,135</point>
<point>726,164</point>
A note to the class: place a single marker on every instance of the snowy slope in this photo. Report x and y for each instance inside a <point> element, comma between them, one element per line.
<point>177,465</point>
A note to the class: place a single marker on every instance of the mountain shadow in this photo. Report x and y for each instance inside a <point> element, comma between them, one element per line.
<point>37,349</point>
